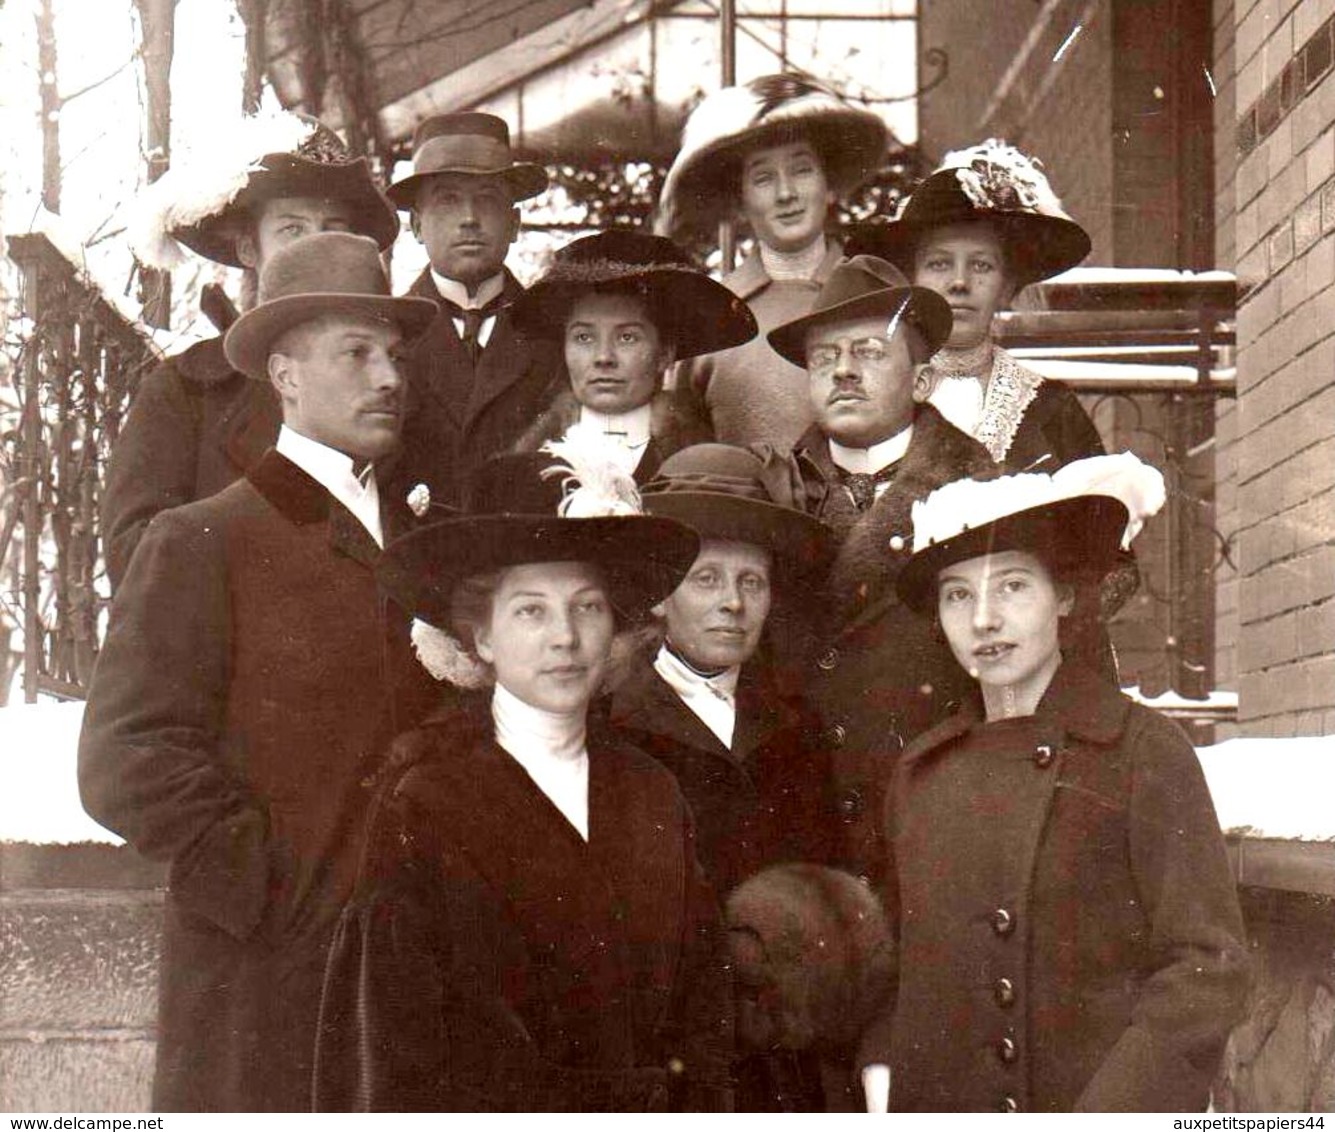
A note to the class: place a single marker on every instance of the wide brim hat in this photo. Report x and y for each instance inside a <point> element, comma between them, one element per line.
<point>991,183</point>
<point>472,143</point>
<point>703,186</point>
<point>203,201</point>
<point>328,273</point>
<point>697,314</point>
<point>523,509</point>
<point>725,492</point>
<point>863,286</point>
<point>1079,520</point>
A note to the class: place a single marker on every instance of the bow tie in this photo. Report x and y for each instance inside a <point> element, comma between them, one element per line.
<point>473,318</point>
<point>862,485</point>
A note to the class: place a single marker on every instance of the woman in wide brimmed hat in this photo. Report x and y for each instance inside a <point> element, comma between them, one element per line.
<point>1058,879</point>
<point>531,931</point>
<point>624,305</point>
<point>980,227</point>
<point>775,153</point>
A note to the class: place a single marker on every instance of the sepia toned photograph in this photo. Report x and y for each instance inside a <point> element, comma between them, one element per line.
<point>734,556</point>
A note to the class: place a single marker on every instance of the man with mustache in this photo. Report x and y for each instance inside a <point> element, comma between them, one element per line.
<point>252,676</point>
<point>879,676</point>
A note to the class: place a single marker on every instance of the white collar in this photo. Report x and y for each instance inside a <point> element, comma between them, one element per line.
<point>551,748</point>
<point>802,264</point>
<point>713,699</point>
<point>630,429</point>
<point>872,460</point>
<point>332,469</point>
<point>458,294</point>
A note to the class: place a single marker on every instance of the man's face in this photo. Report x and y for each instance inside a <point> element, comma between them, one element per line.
<point>466,223</point>
<point>613,352</point>
<point>785,195</point>
<point>279,221</point>
<point>715,617</point>
<point>861,382</point>
<point>339,382</point>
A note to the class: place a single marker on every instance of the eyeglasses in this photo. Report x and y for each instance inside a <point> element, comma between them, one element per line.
<point>825,357</point>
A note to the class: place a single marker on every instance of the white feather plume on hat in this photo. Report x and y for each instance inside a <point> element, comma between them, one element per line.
<point>996,175</point>
<point>206,180</point>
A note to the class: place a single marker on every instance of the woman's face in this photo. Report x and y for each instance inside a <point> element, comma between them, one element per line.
<point>965,265</point>
<point>1000,613</point>
<point>715,617</point>
<point>614,352</point>
<point>549,634</point>
<point>785,195</point>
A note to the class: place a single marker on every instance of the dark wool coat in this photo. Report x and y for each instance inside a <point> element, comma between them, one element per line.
<point>760,803</point>
<point>456,418</point>
<point>252,678</point>
<point>195,426</point>
<point>669,430</point>
<point>881,675</point>
<point>1054,431</point>
<point>1069,933</point>
<point>494,960</point>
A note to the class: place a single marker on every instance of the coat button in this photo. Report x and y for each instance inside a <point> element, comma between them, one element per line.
<point>1003,923</point>
<point>1007,1051</point>
<point>828,659</point>
<point>1043,756</point>
<point>1003,990</point>
<point>837,734</point>
<point>849,804</point>
<point>1008,1104</point>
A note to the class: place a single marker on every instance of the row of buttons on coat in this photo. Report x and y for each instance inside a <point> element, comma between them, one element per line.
<point>1004,995</point>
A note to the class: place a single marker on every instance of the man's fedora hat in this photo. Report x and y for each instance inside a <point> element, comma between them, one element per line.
<point>203,200</point>
<point>993,183</point>
<point>862,286</point>
<point>726,492</point>
<point>326,273</point>
<point>473,143</point>
<point>689,309</point>
<point>555,505</point>
<point>703,186</point>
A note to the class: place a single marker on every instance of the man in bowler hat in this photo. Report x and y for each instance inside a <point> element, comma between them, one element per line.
<point>253,675</point>
<point>880,677</point>
<point>475,382</point>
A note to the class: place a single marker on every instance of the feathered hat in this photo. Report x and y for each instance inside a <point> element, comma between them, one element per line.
<point>991,182</point>
<point>704,184</point>
<point>199,200</point>
<point>564,503</point>
<point>1079,519</point>
<point>689,309</point>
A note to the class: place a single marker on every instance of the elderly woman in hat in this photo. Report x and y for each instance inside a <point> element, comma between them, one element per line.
<point>774,153</point>
<point>624,306</point>
<point>197,424</point>
<point>982,226</point>
<point>532,931</point>
<point>1069,932</point>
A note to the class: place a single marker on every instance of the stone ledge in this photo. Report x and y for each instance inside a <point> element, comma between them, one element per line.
<point>76,1074</point>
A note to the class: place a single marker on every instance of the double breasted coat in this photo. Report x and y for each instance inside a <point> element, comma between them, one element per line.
<point>252,677</point>
<point>495,960</point>
<point>1068,925</point>
<point>880,675</point>
<point>195,426</point>
<point>457,414</point>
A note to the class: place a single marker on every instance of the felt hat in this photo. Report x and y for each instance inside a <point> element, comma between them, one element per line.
<point>689,309</point>
<point>325,273</point>
<point>860,287</point>
<point>991,182</point>
<point>703,186</point>
<point>561,504</point>
<point>202,199</point>
<point>474,143</point>
<point>754,496</point>
<point>1078,520</point>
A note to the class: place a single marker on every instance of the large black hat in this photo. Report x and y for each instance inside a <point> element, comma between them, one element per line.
<point>725,492</point>
<point>473,143</point>
<point>1078,520</point>
<point>994,183</point>
<point>690,309</point>
<point>533,507</point>
<point>865,285</point>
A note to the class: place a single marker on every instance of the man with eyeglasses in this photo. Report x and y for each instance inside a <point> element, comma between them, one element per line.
<point>879,676</point>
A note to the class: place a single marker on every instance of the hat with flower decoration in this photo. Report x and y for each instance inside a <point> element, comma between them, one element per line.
<point>1078,520</point>
<point>689,309</point>
<point>991,182</point>
<point>703,186</point>
<point>201,200</point>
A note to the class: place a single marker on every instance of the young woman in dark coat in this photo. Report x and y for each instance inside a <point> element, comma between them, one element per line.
<point>1068,925</point>
<point>531,931</point>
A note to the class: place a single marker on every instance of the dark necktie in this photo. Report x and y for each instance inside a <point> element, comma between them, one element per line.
<point>862,485</point>
<point>472,317</point>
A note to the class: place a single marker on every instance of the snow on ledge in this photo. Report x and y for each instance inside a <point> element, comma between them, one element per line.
<point>1273,788</point>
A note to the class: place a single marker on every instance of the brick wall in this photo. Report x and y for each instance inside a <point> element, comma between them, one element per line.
<point>1283,142</point>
